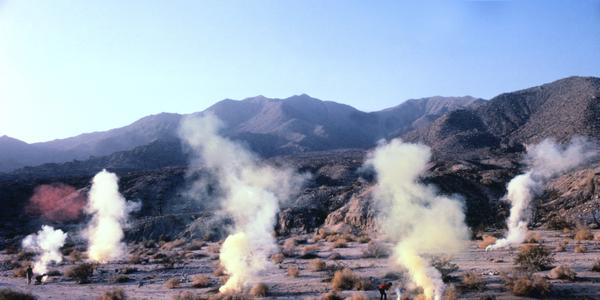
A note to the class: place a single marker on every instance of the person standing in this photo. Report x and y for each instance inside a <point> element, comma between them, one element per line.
<point>29,274</point>
<point>383,288</point>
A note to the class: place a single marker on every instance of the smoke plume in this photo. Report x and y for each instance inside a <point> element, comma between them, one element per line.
<point>109,212</point>
<point>413,215</point>
<point>251,192</point>
<point>57,202</point>
<point>545,160</point>
<point>46,245</point>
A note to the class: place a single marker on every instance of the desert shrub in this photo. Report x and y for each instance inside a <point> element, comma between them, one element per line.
<point>259,290</point>
<point>135,259</point>
<point>473,281</point>
<point>580,248</point>
<point>289,247</point>
<point>172,283</point>
<point>375,250</point>
<point>200,281</point>
<point>597,236</point>
<point>25,255</point>
<point>172,244</point>
<point>533,238</point>
<point>80,273</point>
<point>347,280</point>
<point>363,239</point>
<point>528,285</point>
<point>335,256</point>
<point>559,223</point>
<point>487,240</point>
<point>293,271</point>
<point>8,294</point>
<point>120,279</point>
<point>450,293</point>
<point>170,261</point>
<point>330,296</point>
<point>444,266</point>
<point>219,270</point>
<point>596,265</point>
<point>195,245</point>
<point>214,248</point>
<point>114,294</point>
<point>583,233</point>
<point>534,258</point>
<point>341,243</point>
<point>20,270</point>
<point>358,296</point>
<point>562,272</point>
<point>75,256</point>
<point>277,258</point>
<point>317,265</point>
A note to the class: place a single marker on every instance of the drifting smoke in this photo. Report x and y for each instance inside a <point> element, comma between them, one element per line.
<point>413,215</point>
<point>109,212</point>
<point>56,202</point>
<point>251,194</point>
<point>46,244</point>
<point>546,160</point>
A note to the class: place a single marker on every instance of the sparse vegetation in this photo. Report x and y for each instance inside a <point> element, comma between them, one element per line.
<point>289,247</point>
<point>358,296</point>
<point>195,245</point>
<point>200,281</point>
<point>293,271</point>
<point>219,270</point>
<point>187,296</point>
<point>346,280</point>
<point>445,266</point>
<point>596,265</point>
<point>80,273</point>
<point>473,281</point>
<point>335,256</point>
<point>562,272</point>
<point>375,250</point>
<point>172,283</point>
<point>114,294</point>
<point>317,264</point>
<point>583,233</point>
<point>120,279</point>
<point>451,293</point>
<point>534,258</point>
<point>528,285</point>
<point>330,296</point>
<point>259,290</point>
<point>580,248</point>
<point>277,258</point>
<point>533,238</point>
<point>341,243</point>
<point>8,294</point>
<point>487,240</point>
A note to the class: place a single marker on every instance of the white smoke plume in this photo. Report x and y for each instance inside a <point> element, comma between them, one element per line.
<point>546,160</point>
<point>46,244</point>
<point>251,194</point>
<point>413,215</point>
<point>109,212</point>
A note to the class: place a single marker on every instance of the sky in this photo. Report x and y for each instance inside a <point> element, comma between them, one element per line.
<point>68,67</point>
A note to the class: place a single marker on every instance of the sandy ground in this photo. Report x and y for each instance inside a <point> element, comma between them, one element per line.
<point>309,283</point>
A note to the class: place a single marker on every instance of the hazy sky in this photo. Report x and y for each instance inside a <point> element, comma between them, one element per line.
<point>68,67</point>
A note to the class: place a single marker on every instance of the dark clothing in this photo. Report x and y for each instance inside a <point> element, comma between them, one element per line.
<point>382,290</point>
<point>29,274</point>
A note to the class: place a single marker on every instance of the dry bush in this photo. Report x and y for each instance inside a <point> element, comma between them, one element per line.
<point>120,279</point>
<point>583,233</point>
<point>597,236</point>
<point>195,245</point>
<point>293,271</point>
<point>534,258</point>
<point>363,239</point>
<point>214,248</point>
<point>200,281</point>
<point>340,243</point>
<point>330,296</point>
<point>114,294</point>
<point>21,270</point>
<point>562,272</point>
<point>277,258</point>
<point>75,256</point>
<point>172,244</point>
<point>528,285</point>
<point>223,279</point>
<point>135,259</point>
<point>560,248</point>
<point>444,266</point>
<point>358,296</point>
<point>487,240</point>
<point>347,280</point>
<point>596,265</point>
<point>335,256</point>
<point>450,293</point>
<point>259,290</point>
<point>533,238</point>
<point>580,248</point>
<point>317,265</point>
<point>8,294</point>
<point>172,283</point>
<point>219,270</point>
<point>473,281</point>
<point>289,247</point>
<point>309,251</point>
<point>375,250</point>
<point>80,273</point>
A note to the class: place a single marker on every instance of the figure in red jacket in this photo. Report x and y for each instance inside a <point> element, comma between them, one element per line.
<point>383,288</point>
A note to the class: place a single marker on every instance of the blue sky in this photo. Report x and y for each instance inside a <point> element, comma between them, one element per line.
<point>68,67</point>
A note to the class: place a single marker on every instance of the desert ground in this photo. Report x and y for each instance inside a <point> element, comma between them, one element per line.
<point>145,274</point>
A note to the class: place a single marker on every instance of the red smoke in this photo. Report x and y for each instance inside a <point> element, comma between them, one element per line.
<point>57,202</point>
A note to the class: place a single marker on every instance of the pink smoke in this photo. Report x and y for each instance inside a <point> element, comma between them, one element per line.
<point>57,202</point>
